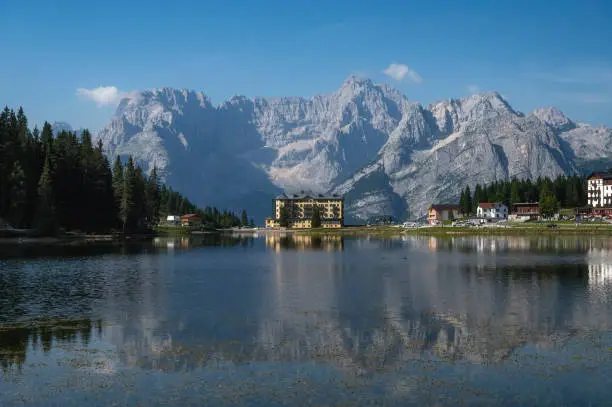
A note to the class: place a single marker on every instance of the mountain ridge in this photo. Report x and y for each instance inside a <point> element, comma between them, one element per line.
<point>246,150</point>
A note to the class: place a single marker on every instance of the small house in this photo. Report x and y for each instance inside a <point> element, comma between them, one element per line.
<point>191,219</point>
<point>526,210</point>
<point>441,213</point>
<point>490,210</point>
<point>173,220</point>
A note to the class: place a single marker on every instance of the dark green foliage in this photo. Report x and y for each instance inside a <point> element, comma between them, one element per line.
<point>65,182</point>
<point>17,195</point>
<point>283,219</point>
<point>515,191</point>
<point>316,217</point>
<point>564,192</point>
<point>478,198</point>
<point>46,221</point>
<point>174,203</point>
<point>152,198</point>
<point>244,219</point>
<point>549,204</point>
<point>126,202</point>
<point>465,203</point>
<point>118,180</point>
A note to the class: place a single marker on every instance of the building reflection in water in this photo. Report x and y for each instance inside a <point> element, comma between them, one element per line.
<point>337,309</point>
<point>291,241</point>
<point>171,243</point>
<point>599,259</point>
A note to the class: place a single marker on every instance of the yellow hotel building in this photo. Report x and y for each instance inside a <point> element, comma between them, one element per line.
<point>300,208</point>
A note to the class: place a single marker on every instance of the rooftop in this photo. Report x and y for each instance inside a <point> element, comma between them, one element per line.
<point>304,195</point>
<point>486,205</point>
<point>601,174</point>
<point>441,207</point>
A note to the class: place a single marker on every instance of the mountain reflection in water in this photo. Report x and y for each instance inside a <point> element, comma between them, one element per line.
<point>361,306</point>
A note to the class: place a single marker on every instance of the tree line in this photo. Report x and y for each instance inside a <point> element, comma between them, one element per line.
<point>564,192</point>
<point>65,182</point>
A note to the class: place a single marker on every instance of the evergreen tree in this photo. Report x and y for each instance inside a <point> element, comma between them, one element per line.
<point>118,178</point>
<point>6,160</point>
<point>138,215</point>
<point>17,195</point>
<point>515,192</point>
<point>171,203</point>
<point>126,207</point>
<point>466,209</point>
<point>244,219</point>
<point>103,197</point>
<point>283,219</point>
<point>183,208</point>
<point>46,139</point>
<point>64,181</point>
<point>463,202</point>
<point>316,217</point>
<point>46,219</point>
<point>548,201</point>
<point>252,223</point>
<point>152,198</point>
<point>478,198</point>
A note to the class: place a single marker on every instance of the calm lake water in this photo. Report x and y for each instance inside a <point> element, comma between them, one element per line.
<point>270,321</point>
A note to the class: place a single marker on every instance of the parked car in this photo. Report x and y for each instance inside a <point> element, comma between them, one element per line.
<point>410,225</point>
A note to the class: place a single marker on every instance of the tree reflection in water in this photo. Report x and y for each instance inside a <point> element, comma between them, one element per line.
<point>363,307</point>
<point>16,340</point>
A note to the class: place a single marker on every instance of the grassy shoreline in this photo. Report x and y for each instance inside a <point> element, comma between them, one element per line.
<point>530,229</point>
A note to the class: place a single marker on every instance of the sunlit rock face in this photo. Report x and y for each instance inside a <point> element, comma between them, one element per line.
<point>367,141</point>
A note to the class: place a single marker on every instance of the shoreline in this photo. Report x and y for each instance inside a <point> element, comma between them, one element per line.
<point>349,231</point>
<point>383,231</point>
<point>74,238</point>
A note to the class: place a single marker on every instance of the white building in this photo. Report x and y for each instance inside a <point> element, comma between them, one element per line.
<point>492,210</point>
<point>599,190</point>
<point>173,220</point>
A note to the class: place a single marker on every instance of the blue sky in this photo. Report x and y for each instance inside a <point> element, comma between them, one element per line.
<point>535,53</point>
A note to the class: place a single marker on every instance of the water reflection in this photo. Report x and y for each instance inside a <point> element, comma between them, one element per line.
<point>205,240</point>
<point>278,242</point>
<point>361,306</point>
<point>17,340</point>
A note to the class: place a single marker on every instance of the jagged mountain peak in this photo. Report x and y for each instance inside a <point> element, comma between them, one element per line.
<point>166,97</point>
<point>357,80</point>
<point>58,127</point>
<point>554,118</point>
<point>490,98</point>
<point>250,149</point>
<point>61,126</point>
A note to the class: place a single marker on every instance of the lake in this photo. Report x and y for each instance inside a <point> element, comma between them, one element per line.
<point>300,320</point>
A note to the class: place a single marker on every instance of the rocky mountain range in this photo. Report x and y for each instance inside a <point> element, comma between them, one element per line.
<point>58,127</point>
<point>367,141</point>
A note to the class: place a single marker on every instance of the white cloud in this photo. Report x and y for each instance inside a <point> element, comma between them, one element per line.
<point>103,95</point>
<point>473,89</point>
<point>400,71</point>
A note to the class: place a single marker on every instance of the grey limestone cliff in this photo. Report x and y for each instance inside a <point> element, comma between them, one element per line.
<point>386,154</point>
